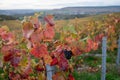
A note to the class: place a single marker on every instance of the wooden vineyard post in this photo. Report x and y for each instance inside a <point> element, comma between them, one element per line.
<point>50,71</point>
<point>118,54</point>
<point>104,49</point>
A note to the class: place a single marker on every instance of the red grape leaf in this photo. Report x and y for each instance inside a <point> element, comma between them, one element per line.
<point>63,63</point>
<point>89,45</point>
<point>5,49</point>
<point>48,33</point>
<point>70,77</point>
<point>8,57</point>
<point>2,31</point>
<point>54,62</point>
<point>70,39</point>
<point>39,50</point>
<point>15,61</point>
<point>99,37</point>
<point>35,21</point>
<point>36,36</point>
<point>95,45</point>
<point>8,37</point>
<point>13,56</point>
<point>49,20</point>
<point>76,50</point>
<point>39,68</point>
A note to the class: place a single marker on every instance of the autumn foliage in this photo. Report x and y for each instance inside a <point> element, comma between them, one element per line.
<point>41,49</point>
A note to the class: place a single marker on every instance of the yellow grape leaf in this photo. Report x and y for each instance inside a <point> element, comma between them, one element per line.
<point>113,46</point>
<point>27,26</point>
<point>62,36</point>
<point>47,59</point>
<point>37,14</point>
<point>24,61</point>
<point>57,43</point>
<point>74,35</point>
<point>58,76</point>
<point>72,29</point>
<point>5,28</point>
<point>41,76</point>
<point>27,29</point>
<point>33,62</point>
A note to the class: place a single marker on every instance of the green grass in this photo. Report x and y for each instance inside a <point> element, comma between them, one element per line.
<point>112,72</point>
<point>111,75</point>
<point>86,76</point>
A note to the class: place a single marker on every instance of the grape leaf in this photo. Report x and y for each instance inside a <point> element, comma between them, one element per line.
<point>27,29</point>
<point>49,20</point>
<point>63,63</point>
<point>58,76</point>
<point>39,50</point>
<point>48,33</point>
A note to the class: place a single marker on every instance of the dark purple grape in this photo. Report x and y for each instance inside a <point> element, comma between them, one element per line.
<point>68,54</point>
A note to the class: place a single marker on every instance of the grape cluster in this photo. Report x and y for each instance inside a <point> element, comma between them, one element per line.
<point>68,54</point>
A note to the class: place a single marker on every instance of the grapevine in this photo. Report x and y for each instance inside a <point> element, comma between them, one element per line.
<point>42,48</point>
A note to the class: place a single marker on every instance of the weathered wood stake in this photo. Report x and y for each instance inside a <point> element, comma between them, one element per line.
<point>118,54</point>
<point>104,49</point>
